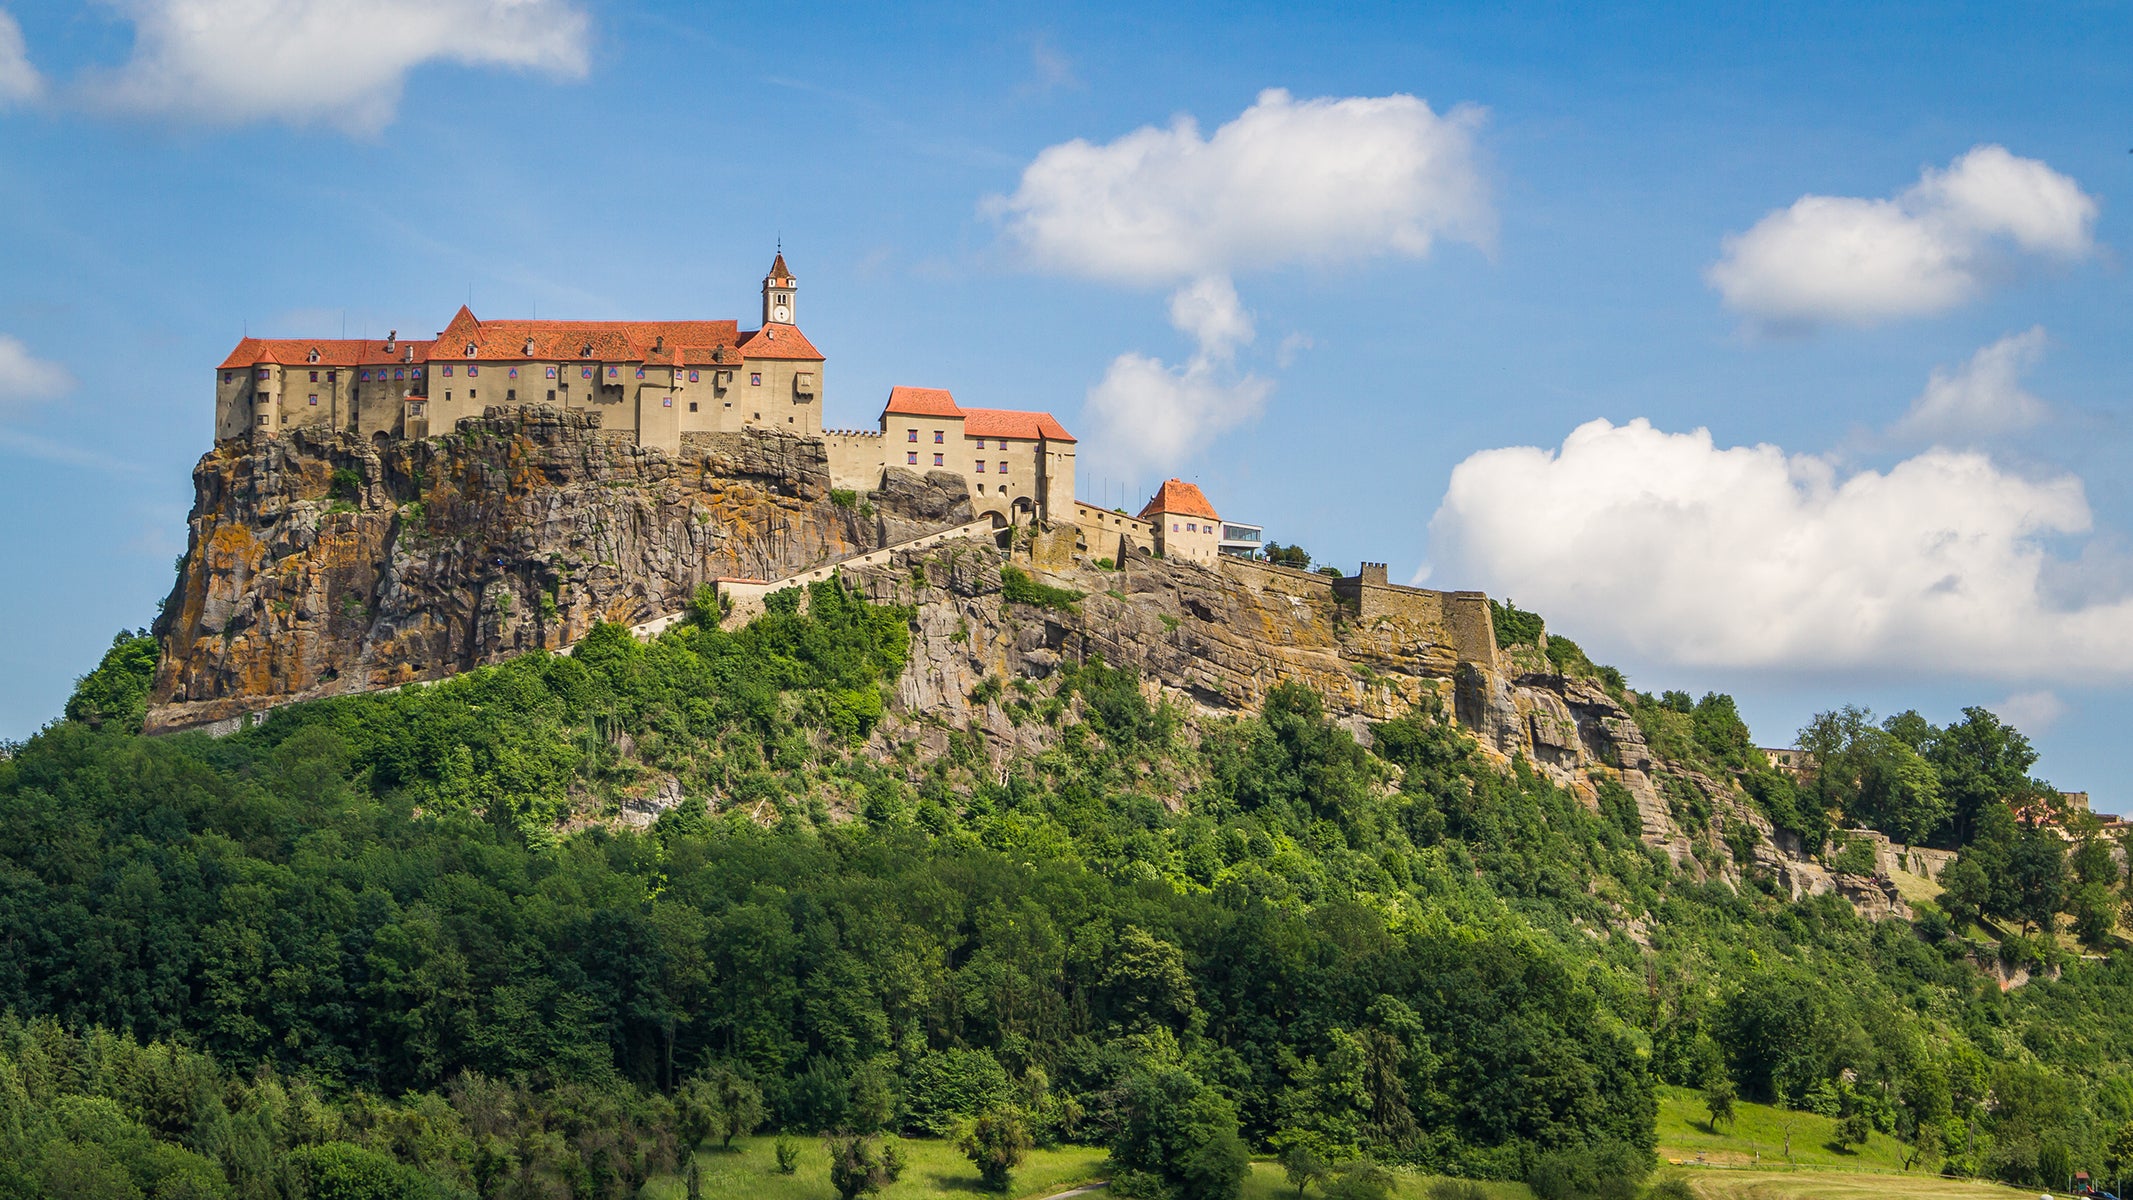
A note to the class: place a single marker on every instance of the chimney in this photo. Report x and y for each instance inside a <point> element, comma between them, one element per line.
<point>659,343</point>
<point>391,336</point>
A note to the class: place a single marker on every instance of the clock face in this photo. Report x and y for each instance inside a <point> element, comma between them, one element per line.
<point>780,313</point>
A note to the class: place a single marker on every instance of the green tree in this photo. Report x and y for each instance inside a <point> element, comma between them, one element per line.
<point>1854,1127</point>
<point>115,694</point>
<point>1178,1138</point>
<point>1302,1163</point>
<point>1981,763</point>
<point>995,1143</point>
<point>719,1102</point>
<point>2037,876</point>
<point>1718,1097</point>
<point>859,1165</point>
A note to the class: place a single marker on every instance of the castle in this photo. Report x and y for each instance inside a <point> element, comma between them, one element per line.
<point>659,382</point>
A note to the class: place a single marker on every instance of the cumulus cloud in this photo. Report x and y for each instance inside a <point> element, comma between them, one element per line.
<point>19,81</point>
<point>1286,181</point>
<point>26,378</point>
<point>1846,260</point>
<point>2033,713</point>
<point>334,62</point>
<point>1690,553</point>
<point>1150,414</point>
<point>1982,397</point>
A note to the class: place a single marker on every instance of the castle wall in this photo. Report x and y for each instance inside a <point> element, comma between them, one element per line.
<point>1193,539</point>
<point>1111,535</point>
<point>855,458</point>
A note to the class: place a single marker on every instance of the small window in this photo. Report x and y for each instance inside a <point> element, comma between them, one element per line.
<point>228,376</point>
<point>937,461</point>
<point>585,372</point>
<point>448,372</point>
<point>981,466</point>
<point>692,379</point>
<point>473,393</point>
<point>755,379</point>
<point>510,394</point>
<point>263,373</point>
<point>472,371</point>
<point>314,399</point>
<point>399,372</point>
<point>314,376</point>
<point>1003,466</point>
<point>551,395</point>
<point>692,406</point>
<point>981,446</point>
<point>614,372</point>
<point>913,436</point>
<point>910,459</point>
<point>514,372</point>
<point>938,437</point>
<point>332,375</point>
<point>667,403</point>
<point>640,372</point>
<point>262,418</point>
<point>551,372</point>
<point>448,393</point>
<point>415,373</point>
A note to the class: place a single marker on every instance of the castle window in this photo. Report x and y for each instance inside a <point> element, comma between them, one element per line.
<point>1173,527</point>
<point>937,461</point>
<point>227,376</point>
<point>640,372</point>
<point>938,436</point>
<point>551,372</point>
<point>262,418</point>
<point>472,371</point>
<point>332,375</point>
<point>1003,466</point>
<point>448,393</point>
<point>398,373</point>
<point>755,379</point>
<point>981,446</point>
<point>314,399</point>
<point>473,393</point>
<point>667,403</point>
<point>262,373</point>
<point>314,376</point>
<point>585,372</point>
<point>448,372</point>
<point>981,466</point>
<point>614,372</point>
<point>551,395</point>
<point>514,372</point>
<point>692,379</point>
<point>692,406</point>
<point>415,374</point>
<point>913,436</point>
<point>910,459</point>
<point>510,394</point>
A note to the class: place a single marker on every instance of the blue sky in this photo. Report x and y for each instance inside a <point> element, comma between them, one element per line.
<point>1461,232</point>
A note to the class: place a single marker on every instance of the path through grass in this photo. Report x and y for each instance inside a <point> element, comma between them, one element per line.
<point>934,1170</point>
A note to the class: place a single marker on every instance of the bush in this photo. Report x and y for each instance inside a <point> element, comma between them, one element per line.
<point>844,497</point>
<point>115,694</point>
<point>1515,626</point>
<point>1018,587</point>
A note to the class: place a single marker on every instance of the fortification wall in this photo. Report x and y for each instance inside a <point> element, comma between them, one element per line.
<point>855,458</point>
<point>1110,534</point>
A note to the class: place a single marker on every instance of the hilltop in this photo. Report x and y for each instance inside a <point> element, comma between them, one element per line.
<point>1184,861</point>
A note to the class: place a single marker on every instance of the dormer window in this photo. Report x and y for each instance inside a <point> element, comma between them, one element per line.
<point>586,350</point>
<point>313,356</point>
<point>527,349</point>
<point>470,349</point>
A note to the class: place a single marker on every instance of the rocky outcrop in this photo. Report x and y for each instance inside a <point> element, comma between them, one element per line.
<point>321,563</point>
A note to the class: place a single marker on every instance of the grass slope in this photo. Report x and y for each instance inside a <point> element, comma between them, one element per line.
<point>1759,1130</point>
<point>1268,1183</point>
<point>934,1170</point>
<point>1837,1185</point>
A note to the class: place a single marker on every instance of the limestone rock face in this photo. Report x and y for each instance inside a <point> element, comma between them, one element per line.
<point>322,563</point>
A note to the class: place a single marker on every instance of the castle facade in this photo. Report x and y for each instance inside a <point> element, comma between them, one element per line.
<point>659,381</point>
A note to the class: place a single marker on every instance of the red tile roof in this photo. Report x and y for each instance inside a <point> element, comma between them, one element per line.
<point>1009,423</point>
<point>691,343</point>
<point>1181,498</point>
<point>777,267</point>
<point>921,402</point>
<point>779,341</point>
<point>332,352</point>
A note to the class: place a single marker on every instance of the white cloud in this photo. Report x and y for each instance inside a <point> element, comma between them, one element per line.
<point>1687,553</point>
<point>333,62</point>
<point>2033,713</point>
<point>1150,414</point>
<point>25,378</point>
<point>19,81</point>
<point>1844,260</point>
<point>1287,181</point>
<point>1982,397</point>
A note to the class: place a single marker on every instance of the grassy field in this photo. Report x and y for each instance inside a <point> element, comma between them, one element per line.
<point>1268,1183</point>
<point>1838,1185</point>
<point>1756,1137</point>
<point>934,1170</point>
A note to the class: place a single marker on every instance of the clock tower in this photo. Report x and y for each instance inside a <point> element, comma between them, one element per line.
<point>778,290</point>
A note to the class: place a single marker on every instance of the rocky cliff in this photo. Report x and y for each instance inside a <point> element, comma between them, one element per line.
<point>322,563</point>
